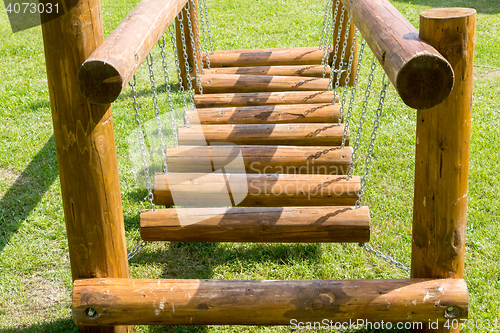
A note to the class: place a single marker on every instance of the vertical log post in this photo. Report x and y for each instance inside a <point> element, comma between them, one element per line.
<point>344,61</point>
<point>86,152</point>
<point>442,153</point>
<point>189,42</point>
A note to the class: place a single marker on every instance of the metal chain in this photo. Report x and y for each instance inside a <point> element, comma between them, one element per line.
<point>326,20</point>
<point>325,59</point>
<point>186,64</point>
<point>207,20</point>
<point>341,71</point>
<point>193,46</point>
<point>142,144</point>
<point>197,36</point>
<point>362,117</point>
<point>137,249</point>
<point>204,32</point>
<point>171,30</point>
<point>386,258</point>
<point>335,56</point>
<point>169,90</point>
<point>353,95</point>
<point>163,150</point>
<point>371,146</point>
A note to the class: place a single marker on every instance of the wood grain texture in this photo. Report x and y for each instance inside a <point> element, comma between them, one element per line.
<point>213,302</point>
<point>266,114</point>
<point>300,70</point>
<point>255,190</point>
<point>233,83</point>
<point>263,98</point>
<point>442,153</point>
<point>266,57</point>
<point>257,224</point>
<point>86,152</point>
<point>300,134</point>
<point>421,75</point>
<point>262,159</point>
<point>110,67</point>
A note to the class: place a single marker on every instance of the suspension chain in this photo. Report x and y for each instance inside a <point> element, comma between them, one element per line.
<point>341,71</point>
<point>362,117</point>
<point>169,91</point>
<point>326,20</point>
<point>196,50</point>
<point>139,247</point>
<point>142,144</point>
<point>325,60</point>
<point>335,56</point>
<point>171,29</point>
<point>353,94</point>
<point>384,257</point>
<point>193,45</point>
<point>204,31</point>
<point>186,63</point>
<point>371,146</point>
<point>207,20</point>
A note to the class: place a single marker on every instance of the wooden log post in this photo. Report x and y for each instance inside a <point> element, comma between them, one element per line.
<point>86,152</point>
<point>442,152</point>
<point>110,67</point>
<point>237,302</point>
<point>343,63</point>
<point>422,76</point>
<point>190,40</point>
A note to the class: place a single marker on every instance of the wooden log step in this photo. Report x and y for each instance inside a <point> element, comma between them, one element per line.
<point>239,302</point>
<point>303,70</point>
<point>261,159</point>
<point>301,134</point>
<point>233,83</point>
<point>222,189</point>
<point>263,98</point>
<point>265,57</point>
<point>257,225</point>
<point>267,114</point>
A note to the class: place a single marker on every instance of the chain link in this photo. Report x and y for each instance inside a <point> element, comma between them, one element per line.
<point>171,30</point>
<point>325,60</point>
<point>196,50</point>
<point>139,247</point>
<point>163,150</point>
<point>186,63</point>
<point>193,45</point>
<point>204,32</point>
<point>386,258</point>
<point>341,71</point>
<point>362,117</point>
<point>335,56</point>
<point>326,20</point>
<point>169,91</point>
<point>142,143</point>
<point>353,95</point>
<point>207,20</point>
<point>371,146</point>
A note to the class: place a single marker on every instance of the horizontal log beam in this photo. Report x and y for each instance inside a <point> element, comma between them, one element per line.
<point>421,75</point>
<point>262,159</point>
<point>266,57</point>
<point>267,114</point>
<point>233,302</point>
<point>233,83</point>
<point>303,70</point>
<point>300,134</point>
<point>110,67</point>
<point>257,225</point>
<point>263,98</point>
<point>254,190</point>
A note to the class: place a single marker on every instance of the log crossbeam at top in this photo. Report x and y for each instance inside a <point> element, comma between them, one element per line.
<point>420,74</point>
<point>112,65</point>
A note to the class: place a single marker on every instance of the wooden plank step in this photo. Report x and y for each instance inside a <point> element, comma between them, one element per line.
<point>233,83</point>
<point>300,134</point>
<point>265,57</point>
<point>267,114</point>
<point>239,302</point>
<point>263,98</point>
<point>302,70</point>
<point>258,225</point>
<point>254,190</point>
<point>262,159</point>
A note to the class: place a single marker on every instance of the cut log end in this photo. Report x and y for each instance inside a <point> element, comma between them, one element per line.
<point>99,82</point>
<point>425,81</point>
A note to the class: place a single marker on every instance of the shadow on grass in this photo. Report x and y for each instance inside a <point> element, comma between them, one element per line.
<point>62,325</point>
<point>482,6</point>
<point>27,191</point>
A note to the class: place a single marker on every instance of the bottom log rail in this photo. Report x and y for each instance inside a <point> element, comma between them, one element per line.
<point>233,302</point>
<point>257,224</point>
<point>263,98</point>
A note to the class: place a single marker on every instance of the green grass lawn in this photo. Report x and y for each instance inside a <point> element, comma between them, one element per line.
<point>35,280</point>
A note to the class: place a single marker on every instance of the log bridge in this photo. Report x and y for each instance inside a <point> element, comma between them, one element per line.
<point>275,105</point>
